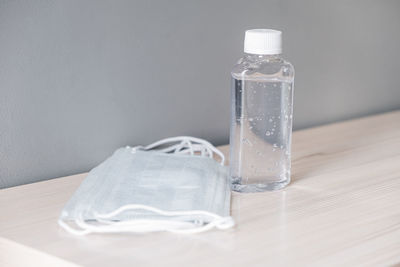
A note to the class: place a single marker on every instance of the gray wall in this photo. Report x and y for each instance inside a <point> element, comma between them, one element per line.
<point>79,79</point>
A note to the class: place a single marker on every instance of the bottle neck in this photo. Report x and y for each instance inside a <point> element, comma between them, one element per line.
<point>268,58</point>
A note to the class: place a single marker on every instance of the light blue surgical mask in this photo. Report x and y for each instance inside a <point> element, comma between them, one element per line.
<point>179,188</point>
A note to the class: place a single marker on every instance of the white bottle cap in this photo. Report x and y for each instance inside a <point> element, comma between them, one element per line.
<point>263,42</point>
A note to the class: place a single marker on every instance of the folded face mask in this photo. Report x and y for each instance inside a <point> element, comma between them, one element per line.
<point>179,188</point>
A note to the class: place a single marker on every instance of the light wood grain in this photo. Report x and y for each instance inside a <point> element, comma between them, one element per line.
<point>342,208</point>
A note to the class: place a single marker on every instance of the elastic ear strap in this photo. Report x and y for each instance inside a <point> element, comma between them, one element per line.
<point>130,207</point>
<point>107,225</point>
<point>134,226</point>
<point>143,226</point>
<point>71,230</point>
<point>218,221</point>
<point>186,146</point>
<point>223,223</point>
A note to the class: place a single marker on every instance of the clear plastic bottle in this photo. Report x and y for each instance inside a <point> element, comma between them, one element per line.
<point>261,115</point>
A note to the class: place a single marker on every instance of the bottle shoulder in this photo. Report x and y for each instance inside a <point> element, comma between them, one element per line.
<point>261,68</point>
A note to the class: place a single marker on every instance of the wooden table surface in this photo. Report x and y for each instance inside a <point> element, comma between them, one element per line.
<point>342,208</point>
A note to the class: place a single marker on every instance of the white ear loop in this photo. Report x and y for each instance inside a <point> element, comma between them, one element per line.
<point>104,223</point>
<point>188,145</point>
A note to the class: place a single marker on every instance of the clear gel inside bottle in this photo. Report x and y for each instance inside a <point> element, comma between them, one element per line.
<point>261,117</point>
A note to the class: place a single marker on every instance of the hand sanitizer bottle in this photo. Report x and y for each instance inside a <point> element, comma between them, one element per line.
<point>261,114</point>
